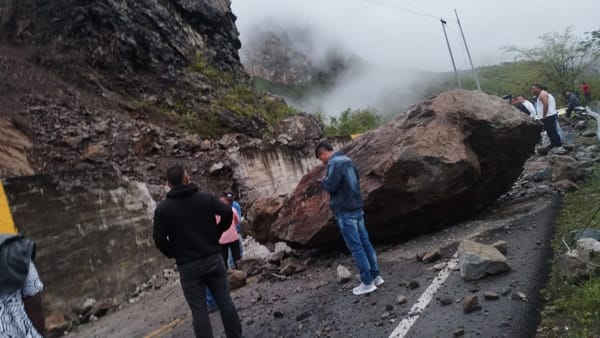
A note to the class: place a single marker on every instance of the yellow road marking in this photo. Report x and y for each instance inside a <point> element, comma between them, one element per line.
<point>166,327</point>
<point>7,225</point>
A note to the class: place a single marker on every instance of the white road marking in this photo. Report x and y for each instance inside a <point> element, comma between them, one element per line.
<point>407,322</point>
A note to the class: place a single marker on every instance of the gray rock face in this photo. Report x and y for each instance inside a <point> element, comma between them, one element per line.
<point>439,162</point>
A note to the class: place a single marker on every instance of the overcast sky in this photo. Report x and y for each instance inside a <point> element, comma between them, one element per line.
<point>407,34</point>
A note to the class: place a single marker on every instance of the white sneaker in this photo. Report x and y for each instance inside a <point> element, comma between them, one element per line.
<point>363,288</point>
<point>378,281</point>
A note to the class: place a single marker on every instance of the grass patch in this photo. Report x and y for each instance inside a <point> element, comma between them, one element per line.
<point>573,307</point>
<point>227,95</point>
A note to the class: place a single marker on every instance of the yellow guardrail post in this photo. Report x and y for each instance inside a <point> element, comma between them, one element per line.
<point>7,225</point>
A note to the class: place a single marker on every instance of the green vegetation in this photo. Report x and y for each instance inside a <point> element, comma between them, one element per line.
<point>513,78</point>
<point>560,61</point>
<point>352,122</point>
<point>573,308</point>
<point>295,92</point>
<point>234,96</point>
<point>562,58</point>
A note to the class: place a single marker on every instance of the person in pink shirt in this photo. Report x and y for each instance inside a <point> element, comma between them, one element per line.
<point>230,239</point>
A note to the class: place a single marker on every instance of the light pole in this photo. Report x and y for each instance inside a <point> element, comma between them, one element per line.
<point>468,53</point>
<point>450,51</point>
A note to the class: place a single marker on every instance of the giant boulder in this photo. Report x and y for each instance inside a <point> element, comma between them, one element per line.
<point>439,162</point>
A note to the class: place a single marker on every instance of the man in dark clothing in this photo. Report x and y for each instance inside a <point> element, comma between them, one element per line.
<point>572,101</point>
<point>185,229</point>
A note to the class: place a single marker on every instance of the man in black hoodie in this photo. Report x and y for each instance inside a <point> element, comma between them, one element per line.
<point>185,229</point>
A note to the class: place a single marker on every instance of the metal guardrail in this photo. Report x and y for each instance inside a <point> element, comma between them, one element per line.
<point>597,117</point>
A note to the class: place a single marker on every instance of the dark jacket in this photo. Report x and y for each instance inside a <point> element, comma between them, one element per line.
<point>342,184</point>
<point>16,252</point>
<point>184,224</point>
<point>573,101</point>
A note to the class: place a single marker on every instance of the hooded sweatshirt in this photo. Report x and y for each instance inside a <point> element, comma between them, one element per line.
<point>184,224</point>
<point>16,253</point>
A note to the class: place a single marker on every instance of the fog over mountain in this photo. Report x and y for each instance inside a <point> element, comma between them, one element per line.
<point>397,38</point>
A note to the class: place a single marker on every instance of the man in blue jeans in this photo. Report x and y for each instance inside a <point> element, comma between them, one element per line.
<point>345,200</point>
<point>185,229</point>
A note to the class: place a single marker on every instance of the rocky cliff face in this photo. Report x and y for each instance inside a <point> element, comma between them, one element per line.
<point>284,57</point>
<point>175,59</point>
<point>118,42</point>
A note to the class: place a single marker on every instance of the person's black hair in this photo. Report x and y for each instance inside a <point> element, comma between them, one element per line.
<point>322,145</point>
<point>175,175</point>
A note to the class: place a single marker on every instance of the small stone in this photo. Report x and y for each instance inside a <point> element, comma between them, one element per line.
<point>432,255</point>
<point>343,274</point>
<point>250,321</point>
<point>446,300</point>
<point>278,314</point>
<point>505,291</point>
<point>439,266</point>
<point>470,303</point>
<point>385,315</point>
<point>413,285</point>
<point>518,296</point>
<point>401,299</point>
<point>459,332</point>
<point>389,307</point>
<point>303,316</point>
<point>501,246</point>
<point>490,295</point>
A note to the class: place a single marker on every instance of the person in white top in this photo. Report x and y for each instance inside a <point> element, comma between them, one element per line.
<point>546,109</point>
<point>525,106</point>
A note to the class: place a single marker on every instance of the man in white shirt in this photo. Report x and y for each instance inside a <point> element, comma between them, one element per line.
<point>546,110</point>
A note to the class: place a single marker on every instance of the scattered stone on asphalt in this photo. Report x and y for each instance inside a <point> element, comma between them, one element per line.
<point>490,295</point>
<point>343,274</point>
<point>470,303</point>
<point>478,260</point>
<point>446,300</point>
<point>401,299</point>
<point>438,266</point>
<point>278,314</point>
<point>501,246</point>
<point>518,296</point>
<point>413,284</point>
<point>459,332</point>
<point>432,255</point>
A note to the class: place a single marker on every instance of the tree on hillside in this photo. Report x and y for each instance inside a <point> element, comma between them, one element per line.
<point>561,58</point>
<point>353,122</point>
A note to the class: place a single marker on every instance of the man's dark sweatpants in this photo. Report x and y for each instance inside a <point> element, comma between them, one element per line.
<point>195,276</point>
<point>550,123</point>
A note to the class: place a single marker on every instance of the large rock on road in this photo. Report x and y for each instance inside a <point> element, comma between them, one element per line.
<point>439,162</point>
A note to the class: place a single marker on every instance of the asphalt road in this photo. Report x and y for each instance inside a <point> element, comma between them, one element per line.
<point>314,304</point>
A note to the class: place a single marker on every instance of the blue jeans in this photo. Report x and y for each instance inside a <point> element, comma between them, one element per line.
<point>195,277</point>
<point>551,125</point>
<point>210,300</point>
<point>352,227</point>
